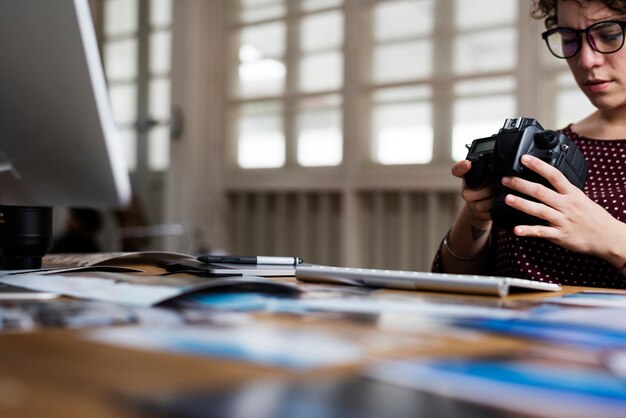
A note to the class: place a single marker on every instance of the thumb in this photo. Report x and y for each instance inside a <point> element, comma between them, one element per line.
<point>461,168</point>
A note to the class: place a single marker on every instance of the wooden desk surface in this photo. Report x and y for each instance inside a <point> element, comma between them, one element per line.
<point>57,373</point>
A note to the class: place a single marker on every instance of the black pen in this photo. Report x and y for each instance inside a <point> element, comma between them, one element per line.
<point>259,260</point>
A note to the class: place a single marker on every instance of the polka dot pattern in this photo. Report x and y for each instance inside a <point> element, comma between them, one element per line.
<point>541,260</point>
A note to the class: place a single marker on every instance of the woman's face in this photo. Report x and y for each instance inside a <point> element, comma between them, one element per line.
<point>602,77</point>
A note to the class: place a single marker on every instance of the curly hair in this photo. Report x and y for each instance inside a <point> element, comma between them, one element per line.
<point>546,9</point>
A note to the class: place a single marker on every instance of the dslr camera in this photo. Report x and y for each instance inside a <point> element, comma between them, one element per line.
<point>499,155</point>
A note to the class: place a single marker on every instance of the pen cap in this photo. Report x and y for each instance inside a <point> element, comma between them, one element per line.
<point>278,260</point>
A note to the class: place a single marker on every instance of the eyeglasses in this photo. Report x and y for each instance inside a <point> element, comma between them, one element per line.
<point>604,37</point>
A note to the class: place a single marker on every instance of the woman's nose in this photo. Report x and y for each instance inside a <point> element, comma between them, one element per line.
<point>587,56</point>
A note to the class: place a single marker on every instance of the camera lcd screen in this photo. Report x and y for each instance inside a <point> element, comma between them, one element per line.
<point>482,145</point>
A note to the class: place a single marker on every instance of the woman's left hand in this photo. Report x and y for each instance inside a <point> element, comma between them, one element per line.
<point>574,221</point>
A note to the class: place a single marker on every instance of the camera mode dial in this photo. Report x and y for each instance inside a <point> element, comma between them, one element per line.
<point>546,139</point>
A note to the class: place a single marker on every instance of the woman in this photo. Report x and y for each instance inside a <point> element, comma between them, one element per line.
<point>584,241</point>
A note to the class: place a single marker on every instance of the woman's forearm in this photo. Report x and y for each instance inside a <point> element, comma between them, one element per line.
<point>465,247</point>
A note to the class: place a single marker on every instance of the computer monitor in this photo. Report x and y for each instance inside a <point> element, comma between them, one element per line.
<point>59,145</point>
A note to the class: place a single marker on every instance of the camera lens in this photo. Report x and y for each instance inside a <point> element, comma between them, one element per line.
<point>25,236</point>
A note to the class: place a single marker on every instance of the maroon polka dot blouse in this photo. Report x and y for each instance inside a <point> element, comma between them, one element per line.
<point>542,260</point>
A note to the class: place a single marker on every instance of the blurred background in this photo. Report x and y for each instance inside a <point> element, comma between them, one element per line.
<point>323,129</point>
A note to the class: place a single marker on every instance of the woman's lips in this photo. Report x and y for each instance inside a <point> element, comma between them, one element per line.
<point>596,86</point>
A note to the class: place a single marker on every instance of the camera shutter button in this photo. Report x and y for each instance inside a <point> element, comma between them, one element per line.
<point>546,139</point>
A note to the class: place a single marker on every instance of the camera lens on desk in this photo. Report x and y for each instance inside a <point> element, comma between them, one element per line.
<point>25,236</point>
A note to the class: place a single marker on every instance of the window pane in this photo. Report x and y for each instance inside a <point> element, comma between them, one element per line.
<point>490,50</point>
<point>120,17</point>
<point>320,138</point>
<point>120,59</point>
<point>261,69</point>
<point>308,5</point>
<point>402,61</point>
<point>550,61</point>
<point>160,52</point>
<point>267,39</point>
<point>129,143</point>
<point>571,106</point>
<point>321,31</point>
<point>478,118</point>
<point>402,94</point>
<point>261,141</point>
<point>403,19</point>
<point>565,79</point>
<point>321,72</point>
<point>402,133</point>
<point>159,106</point>
<point>160,12</point>
<point>124,103</point>
<point>485,86</point>
<point>472,14</point>
<point>159,148</point>
<point>256,10</point>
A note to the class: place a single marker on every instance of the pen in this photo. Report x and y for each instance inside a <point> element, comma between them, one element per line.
<point>233,259</point>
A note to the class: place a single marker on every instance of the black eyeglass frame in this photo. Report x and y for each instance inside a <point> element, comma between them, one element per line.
<point>579,32</point>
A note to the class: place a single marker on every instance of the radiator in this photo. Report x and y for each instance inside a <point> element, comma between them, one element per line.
<point>367,228</point>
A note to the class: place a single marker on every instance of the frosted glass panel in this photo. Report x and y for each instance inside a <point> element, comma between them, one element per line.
<point>308,5</point>
<point>261,69</point>
<point>160,12</point>
<point>321,72</point>
<point>321,31</point>
<point>256,10</point>
<point>402,61</point>
<point>124,103</point>
<point>120,59</point>
<point>159,148</point>
<point>402,133</point>
<point>478,118</point>
<point>490,50</point>
<point>159,107</point>
<point>472,14</point>
<point>120,17</point>
<point>160,52</point>
<point>320,138</point>
<point>261,139</point>
<point>402,19</point>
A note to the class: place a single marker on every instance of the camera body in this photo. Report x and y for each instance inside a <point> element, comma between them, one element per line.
<point>499,155</point>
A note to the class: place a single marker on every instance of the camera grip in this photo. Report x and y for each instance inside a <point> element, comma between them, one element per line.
<point>478,175</point>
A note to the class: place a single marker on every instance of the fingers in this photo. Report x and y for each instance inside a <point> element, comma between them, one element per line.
<point>481,209</point>
<point>536,209</point>
<point>479,200</point>
<point>529,188</point>
<point>471,195</point>
<point>550,173</point>
<point>536,231</point>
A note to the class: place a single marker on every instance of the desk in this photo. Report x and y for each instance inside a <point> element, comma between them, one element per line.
<point>57,373</point>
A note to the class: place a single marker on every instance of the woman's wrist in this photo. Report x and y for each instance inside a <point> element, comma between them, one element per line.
<point>615,253</point>
<point>456,256</point>
<point>468,238</point>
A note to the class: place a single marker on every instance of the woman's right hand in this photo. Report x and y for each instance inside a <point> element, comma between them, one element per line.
<point>479,200</point>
